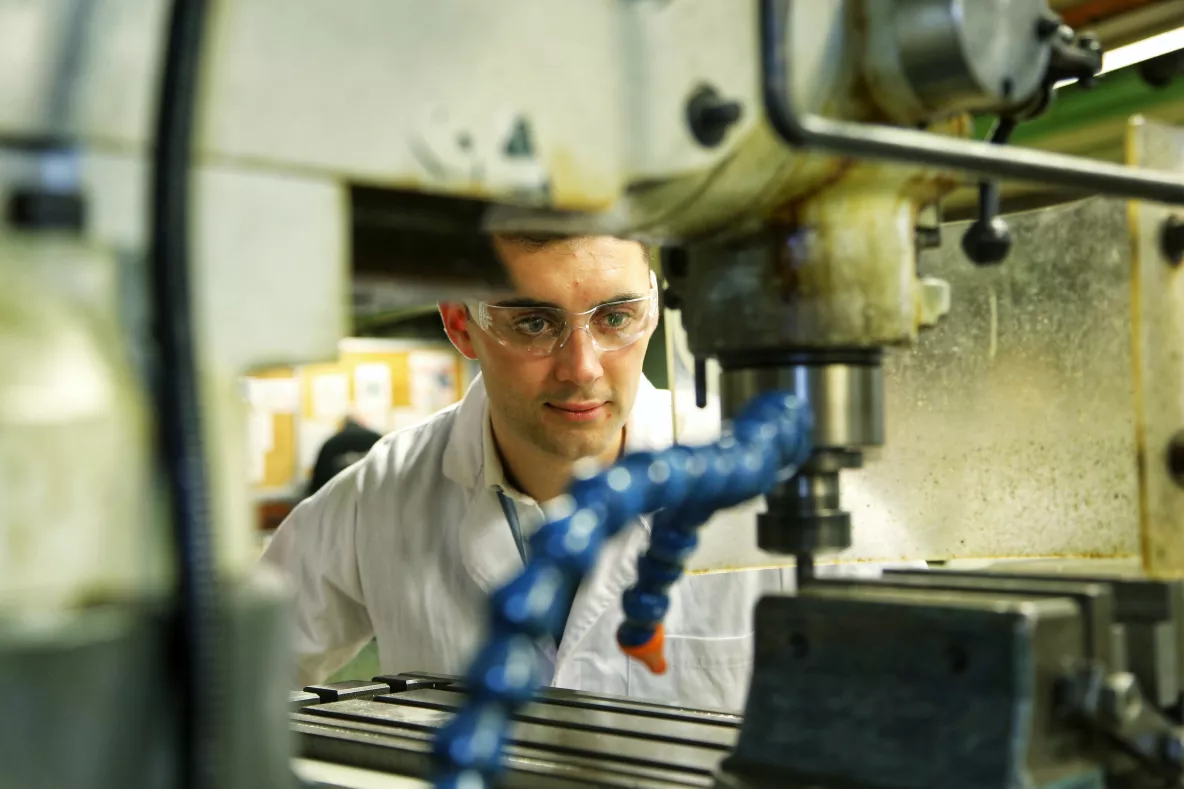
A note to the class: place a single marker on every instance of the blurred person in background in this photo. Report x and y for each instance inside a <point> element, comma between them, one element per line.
<point>340,451</point>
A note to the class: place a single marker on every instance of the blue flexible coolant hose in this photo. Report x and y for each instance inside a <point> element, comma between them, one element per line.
<point>765,444</point>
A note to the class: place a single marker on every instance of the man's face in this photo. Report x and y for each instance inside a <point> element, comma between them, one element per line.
<point>572,403</point>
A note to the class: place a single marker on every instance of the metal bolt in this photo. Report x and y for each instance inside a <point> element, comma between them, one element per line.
<point>1176,458</point>
<point>710,116</point>
<point>1090,43</point>
<point>1171,240</point>
<point>1120,702</point>
<point>1046,26</point>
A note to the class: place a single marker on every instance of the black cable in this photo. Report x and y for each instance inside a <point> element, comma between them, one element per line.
<point>179,432</point>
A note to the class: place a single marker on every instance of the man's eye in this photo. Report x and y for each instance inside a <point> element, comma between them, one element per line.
<point>617,319</point>
<point>532,325</point>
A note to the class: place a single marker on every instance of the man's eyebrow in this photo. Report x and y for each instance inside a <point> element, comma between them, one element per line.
<point>523,301</point>
<point>526,302</point>
<point>622,297</point>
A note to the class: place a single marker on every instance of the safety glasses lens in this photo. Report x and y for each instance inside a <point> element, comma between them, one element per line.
<point>542,329</point>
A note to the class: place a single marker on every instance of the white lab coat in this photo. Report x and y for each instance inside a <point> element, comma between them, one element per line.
<point>406,544</point>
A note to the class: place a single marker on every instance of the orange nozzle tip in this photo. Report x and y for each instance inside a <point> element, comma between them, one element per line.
<point>650,654</point>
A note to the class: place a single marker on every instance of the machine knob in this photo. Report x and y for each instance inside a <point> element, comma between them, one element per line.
<point>988,241</point>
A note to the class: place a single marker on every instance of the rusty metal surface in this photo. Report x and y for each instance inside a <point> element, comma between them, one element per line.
<point>1157,309</point>
<point>1009,426</point>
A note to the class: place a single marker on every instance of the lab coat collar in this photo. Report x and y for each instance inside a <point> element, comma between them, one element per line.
<point>487,546</point>
<point>463,461</point>
<point>476,463</point>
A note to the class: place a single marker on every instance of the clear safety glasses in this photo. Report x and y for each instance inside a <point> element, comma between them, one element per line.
<point>541,330</point>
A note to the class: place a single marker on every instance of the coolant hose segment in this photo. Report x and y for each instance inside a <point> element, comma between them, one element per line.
<point>765,444</point>
<point>743,464</point>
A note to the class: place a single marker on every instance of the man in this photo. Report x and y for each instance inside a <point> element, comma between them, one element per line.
<point>407,545</point>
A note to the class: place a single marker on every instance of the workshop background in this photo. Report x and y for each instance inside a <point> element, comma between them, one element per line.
<point>397,354</point>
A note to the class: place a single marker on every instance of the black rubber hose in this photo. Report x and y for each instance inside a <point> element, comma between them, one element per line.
<point>195,659</point>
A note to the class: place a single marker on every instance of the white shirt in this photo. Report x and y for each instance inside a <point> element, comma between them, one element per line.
<point>407,544</point>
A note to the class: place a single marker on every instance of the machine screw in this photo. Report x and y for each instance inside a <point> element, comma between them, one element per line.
<point>710,116</point>
<point>1120,701</point>
<point>1090,43</point>
<point>1046,26</point>
<point>1171,240</point>
<point>1176,458</point>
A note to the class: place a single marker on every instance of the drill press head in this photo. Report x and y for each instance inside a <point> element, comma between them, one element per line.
<point>808,307</point>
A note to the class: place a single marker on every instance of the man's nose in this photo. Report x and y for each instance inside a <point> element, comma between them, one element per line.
<point>578,361</point>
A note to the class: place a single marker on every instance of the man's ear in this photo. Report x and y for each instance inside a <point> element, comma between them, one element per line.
<point>456,325</point>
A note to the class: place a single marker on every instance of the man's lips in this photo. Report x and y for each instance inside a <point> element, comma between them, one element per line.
<point>579,412</point>
<point>577,407</point>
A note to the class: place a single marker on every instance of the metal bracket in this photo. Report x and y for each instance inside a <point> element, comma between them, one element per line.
<point>1113,705</point>
<point>914,147</point>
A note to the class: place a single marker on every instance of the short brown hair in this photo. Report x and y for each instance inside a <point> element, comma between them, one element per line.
<point>537,241</point>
